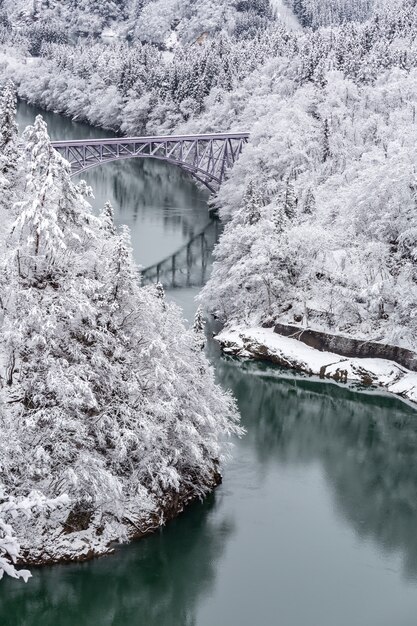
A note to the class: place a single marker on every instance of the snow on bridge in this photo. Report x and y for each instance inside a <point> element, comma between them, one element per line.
<point>207,157</point>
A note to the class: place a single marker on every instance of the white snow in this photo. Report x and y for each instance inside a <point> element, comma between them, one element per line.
<point>108,33</point>
<point>245,342</point>
<point>172,40</point>
<point>286,15</point>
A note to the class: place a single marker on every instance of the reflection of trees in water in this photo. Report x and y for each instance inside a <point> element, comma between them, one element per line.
<point>137,187</point>
<point>59,127</point>
<point>190,266</point>
<point>367,445</point>
<point>154,582</point>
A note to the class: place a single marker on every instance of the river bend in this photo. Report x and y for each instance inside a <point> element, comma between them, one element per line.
<point>315,523</point>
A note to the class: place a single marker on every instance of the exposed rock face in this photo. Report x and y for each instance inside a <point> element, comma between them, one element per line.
<point>79,518</point>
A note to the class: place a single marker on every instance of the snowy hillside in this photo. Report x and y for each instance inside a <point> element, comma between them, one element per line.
<point>111,421</point>
<point>320,232</point>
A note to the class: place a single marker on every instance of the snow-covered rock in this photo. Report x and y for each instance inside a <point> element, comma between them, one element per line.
<point>264,343</point>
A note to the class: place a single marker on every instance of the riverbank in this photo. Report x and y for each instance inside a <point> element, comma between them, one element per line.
<point>266,344</point>
<point>78,539</point>
<point>113,431</point>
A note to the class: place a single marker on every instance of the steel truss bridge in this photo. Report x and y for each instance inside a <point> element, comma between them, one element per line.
<point>206,157</point>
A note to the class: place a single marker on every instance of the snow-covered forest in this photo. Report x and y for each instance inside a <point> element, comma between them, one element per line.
<point>110,417</point>
<point>321,232</point>
<point>322,204</point>
<point>153,21</point>
<point>317,13</point>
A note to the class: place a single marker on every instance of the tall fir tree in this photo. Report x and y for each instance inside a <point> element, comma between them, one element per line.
<point>290,199</point>
<point>8,130</point>
<point>252,203</point>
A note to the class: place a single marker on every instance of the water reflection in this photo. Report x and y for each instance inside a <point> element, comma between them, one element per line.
<point>161,205</point>
<point>366,444</point>
<point>190,266</point>
<point>155,582</point>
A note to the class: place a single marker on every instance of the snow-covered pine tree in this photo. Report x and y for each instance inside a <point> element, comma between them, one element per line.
<point>9,156</point>
<point>252,203</point>
<point>309,202</point>
<point>326,141</point>
<point>290,199</point>
<point>8,129</point>
<point>198,328</point>
<point>106,396</point>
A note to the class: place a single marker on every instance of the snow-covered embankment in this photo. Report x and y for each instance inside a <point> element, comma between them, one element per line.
<point>264,343</point>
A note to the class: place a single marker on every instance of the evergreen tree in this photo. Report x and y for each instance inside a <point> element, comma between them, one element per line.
<point>290,199</point>
<point>8,130</point>
<point>326,141</point>
<point>252,203</point>
<point>310,202</point>
<point>198,328</point>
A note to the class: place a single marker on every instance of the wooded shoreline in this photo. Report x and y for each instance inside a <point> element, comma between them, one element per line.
<point>170,510</point>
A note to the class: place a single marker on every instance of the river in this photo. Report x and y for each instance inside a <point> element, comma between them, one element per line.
<point>315,523</point>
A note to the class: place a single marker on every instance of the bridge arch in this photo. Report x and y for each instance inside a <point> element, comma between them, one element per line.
<point>206,179</point>
<point>207,157</point>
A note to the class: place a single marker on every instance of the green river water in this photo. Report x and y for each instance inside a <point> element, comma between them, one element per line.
<point>315,523</point>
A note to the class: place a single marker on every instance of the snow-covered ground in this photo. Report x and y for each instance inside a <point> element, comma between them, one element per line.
<point>263,343</point>
<point>286,15</point>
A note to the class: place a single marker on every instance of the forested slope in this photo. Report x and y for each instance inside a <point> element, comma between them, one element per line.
<point>110,419</point>
<point>317,13</point>
<point>153,21</point>
<point>322,202</point>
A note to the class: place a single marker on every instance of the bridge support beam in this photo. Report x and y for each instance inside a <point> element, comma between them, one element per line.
<point>206,157</point>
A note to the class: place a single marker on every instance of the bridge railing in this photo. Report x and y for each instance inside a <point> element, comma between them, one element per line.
<point>148,139</point>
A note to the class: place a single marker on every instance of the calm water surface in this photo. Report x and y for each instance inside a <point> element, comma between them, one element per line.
<point>316,521</point>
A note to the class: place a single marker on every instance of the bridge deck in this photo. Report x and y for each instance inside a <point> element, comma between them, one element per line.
<point>150,139</point>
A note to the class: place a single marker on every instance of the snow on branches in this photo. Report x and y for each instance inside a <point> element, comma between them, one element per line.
<point>10,509</point>
<point>8,128</point>
<point>103,392</point>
